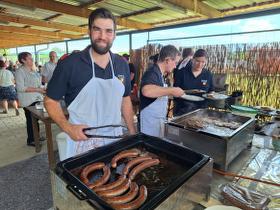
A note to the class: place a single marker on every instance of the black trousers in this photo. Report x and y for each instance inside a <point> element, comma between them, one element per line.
<point>29,127</point>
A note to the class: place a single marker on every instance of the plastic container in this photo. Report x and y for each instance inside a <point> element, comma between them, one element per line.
<point>62,145</point>
<point>244,109</point>
<point>222,207</point>
<point>276,143</point>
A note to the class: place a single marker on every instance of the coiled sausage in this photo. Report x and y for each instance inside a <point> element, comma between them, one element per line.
<point>103,180</point>
<point>88,169</point>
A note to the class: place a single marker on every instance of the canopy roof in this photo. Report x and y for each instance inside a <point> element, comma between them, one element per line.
<point>27,22</point>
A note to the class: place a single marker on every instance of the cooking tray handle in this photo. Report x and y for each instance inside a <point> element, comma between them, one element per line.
<point>102,136</point>
<point>77,192</point>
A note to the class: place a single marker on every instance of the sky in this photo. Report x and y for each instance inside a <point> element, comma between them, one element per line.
<point>121,44</point>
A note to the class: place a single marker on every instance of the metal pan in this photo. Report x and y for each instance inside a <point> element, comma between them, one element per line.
<point>216,100</point>
<point>196,92</point>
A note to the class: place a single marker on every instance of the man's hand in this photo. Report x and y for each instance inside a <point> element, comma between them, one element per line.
<point>76,132</point>
<point>177,92</point>
<point>127,112</point>
<point>56,113</point>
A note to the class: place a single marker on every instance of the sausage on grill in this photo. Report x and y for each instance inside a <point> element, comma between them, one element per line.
<point>124,154</point>
<point>146,164</point>
<point>89,169</point>
<point>115,191</point>
<point>103,180</point>
<point>111,185</point>
<point>134,162</point>
<point>135,204</point>
<point>132,193</point>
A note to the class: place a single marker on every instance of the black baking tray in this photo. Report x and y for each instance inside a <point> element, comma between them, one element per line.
<point>178,164</point>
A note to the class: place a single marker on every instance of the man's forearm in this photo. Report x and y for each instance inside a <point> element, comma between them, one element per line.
<point>128,114</point>
<point>155,91</point>
<point>56,113</point>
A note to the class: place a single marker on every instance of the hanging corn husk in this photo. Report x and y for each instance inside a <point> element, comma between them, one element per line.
<point>252,68</point>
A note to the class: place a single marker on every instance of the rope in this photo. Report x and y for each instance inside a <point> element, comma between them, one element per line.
<point>244,177</point>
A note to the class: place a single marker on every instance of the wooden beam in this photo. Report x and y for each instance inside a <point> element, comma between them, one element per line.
<point>90,3</point>
<point>4,38</point>
<point>11,36</point>
<point>179,20</point>
<point>197,7</point>
<point>42,23</point>
<point>251,8</point>
<point>73,10</point>
<point>168,5</point>
<point>141,12</point>
<point>53,17</point>
<point>14,42</point>
<point>19,43</point>
<point>37,32</point>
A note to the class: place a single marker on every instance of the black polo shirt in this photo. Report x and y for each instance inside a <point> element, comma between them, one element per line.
<point>152,76</point>
<point>185,79</point>
<point>73,73</point>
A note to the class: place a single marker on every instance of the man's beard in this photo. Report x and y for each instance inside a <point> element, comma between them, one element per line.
<point>100,50</point>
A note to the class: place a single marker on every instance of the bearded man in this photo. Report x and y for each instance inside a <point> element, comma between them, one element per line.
<point>96,86</point>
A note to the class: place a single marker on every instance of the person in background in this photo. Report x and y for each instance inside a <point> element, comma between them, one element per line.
<point>29,90</point>
<point>17,64</point>
<point>2,58</point>
<point>132,75</point>
<point>193,76</point>
<point>152,60</point>
<point>11,67</point>
<point>7,88</point>
<point>96,86</point>
<point>49,67</point>
<point>134,88</point>
<point>126,57</point>
<point>187,55</point>
<point>63,57</point>
<point>154,92</point>
<point>40,69</point>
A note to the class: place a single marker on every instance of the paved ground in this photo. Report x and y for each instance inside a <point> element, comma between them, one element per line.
<point>13,138</point>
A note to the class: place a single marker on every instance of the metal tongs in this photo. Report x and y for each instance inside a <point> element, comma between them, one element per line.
<point>86,132</point>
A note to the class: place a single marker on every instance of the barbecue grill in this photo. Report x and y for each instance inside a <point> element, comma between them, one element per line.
<point>182,175</point>
<point>219,134</point>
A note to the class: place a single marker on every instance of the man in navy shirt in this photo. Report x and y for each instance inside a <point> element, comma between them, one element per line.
<point>96,87</point>
<point>192,76</point>
<point>154,92</point>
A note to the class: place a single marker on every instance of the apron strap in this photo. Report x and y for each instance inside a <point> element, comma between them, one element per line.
<point>92,63</point>
<point>101,136</point>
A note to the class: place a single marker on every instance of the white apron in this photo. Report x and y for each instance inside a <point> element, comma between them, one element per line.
<point>97,104</point>
<point>153,116</point>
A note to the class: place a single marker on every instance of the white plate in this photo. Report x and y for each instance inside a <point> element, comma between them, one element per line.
<point>192,98</point>
<point>215,96</point>
<point>222,207</point>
